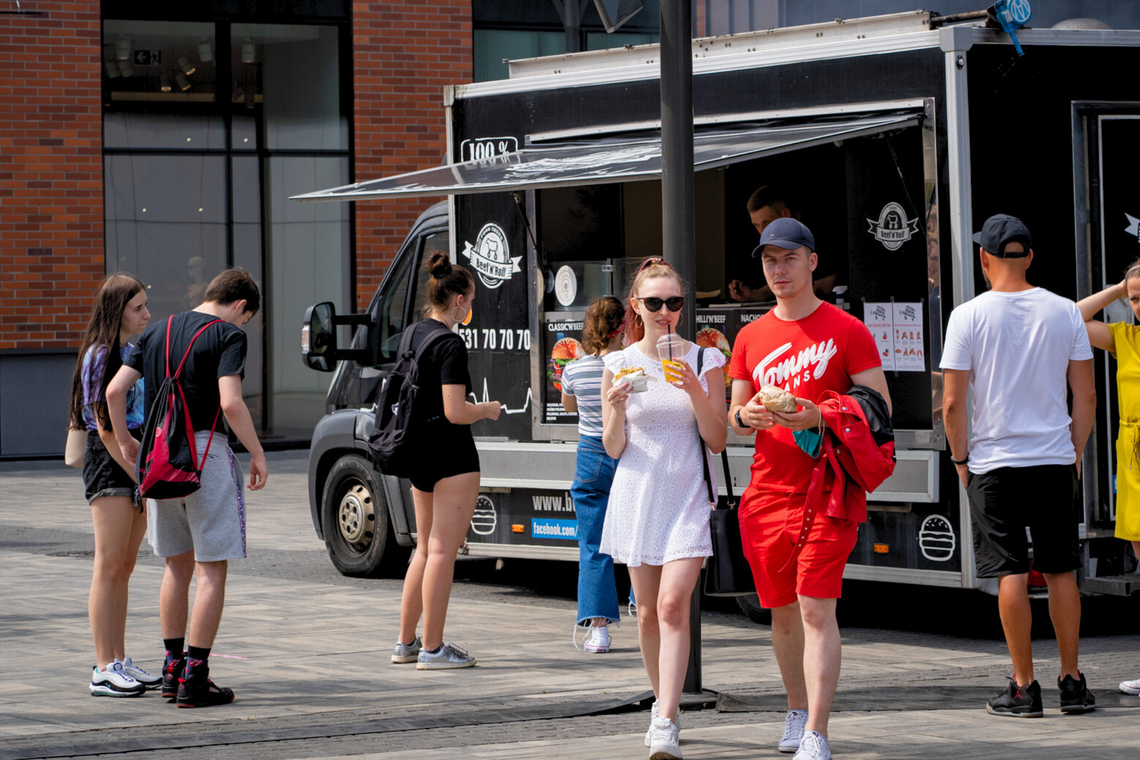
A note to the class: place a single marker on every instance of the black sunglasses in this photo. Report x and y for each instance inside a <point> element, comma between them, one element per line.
<point>653,303</point>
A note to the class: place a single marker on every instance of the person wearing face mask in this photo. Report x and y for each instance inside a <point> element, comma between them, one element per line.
<point>446,487</point>
<point>657,520</point>
<point>1122,340</point>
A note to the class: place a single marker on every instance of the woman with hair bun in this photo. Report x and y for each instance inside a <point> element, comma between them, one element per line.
<point>446,487</point>
<point>109,480</point>
<point>657,520</point>
<point>594,472</point>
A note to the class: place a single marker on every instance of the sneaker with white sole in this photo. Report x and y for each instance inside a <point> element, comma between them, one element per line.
<point>402,653</point>
<point>599,640</point>
<point>653,717</point>
<point>1130,687</point>
<point>146,679</point>
<point>813,746</point>
<point>664,743</point>
<point>447,657</point>
<point>794,723</point>
<point>112,681</point>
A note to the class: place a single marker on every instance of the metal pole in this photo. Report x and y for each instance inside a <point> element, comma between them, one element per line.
<point>678,219</point>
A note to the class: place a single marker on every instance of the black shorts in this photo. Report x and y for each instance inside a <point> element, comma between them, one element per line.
<point>447,452</point>
<point>102,475</point>
<point>1006,501</point>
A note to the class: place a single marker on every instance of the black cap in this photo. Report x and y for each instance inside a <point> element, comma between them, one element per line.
<point>1001,229</point>
<point>785,232</point>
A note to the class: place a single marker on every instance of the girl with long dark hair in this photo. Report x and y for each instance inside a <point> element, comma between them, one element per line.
<point>109,481</point>
<point>446,486</point>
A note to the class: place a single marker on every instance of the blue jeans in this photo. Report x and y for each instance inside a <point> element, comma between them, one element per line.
<point>594,474</point>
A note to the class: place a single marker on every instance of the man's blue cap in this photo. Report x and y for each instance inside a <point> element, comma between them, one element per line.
<point>1001,229</point>
<point>785,232</point>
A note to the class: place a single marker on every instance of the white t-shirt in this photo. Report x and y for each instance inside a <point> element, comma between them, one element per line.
<point>1017,347</point>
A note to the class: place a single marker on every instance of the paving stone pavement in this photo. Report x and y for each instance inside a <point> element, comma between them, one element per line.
<point>307,654</point>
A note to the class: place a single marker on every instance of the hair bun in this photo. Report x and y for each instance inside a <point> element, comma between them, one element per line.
<point>439,265</point>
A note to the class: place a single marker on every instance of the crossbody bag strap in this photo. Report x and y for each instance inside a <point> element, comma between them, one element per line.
<point>701,441</point>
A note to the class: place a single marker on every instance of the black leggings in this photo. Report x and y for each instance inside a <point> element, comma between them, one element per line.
<point>447,451</point>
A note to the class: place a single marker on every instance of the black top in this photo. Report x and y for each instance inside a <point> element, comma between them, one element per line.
<point>218,352</point>
<point>444,364</point>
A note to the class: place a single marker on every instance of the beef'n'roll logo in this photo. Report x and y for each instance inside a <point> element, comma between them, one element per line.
<point>490,257</point>
<point>892,228</point>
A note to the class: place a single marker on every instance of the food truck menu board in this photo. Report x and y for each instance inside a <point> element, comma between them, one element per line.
<point>561,344</point>
<point>718,328</point>
<point>897,330</point>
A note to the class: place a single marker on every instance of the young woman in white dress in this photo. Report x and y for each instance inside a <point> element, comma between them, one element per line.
<point>657,520</point>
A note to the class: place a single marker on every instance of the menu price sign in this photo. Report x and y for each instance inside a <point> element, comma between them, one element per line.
<point>897,329</point>
<point>561,344</point>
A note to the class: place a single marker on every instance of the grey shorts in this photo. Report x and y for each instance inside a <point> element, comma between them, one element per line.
<point>210,521</point>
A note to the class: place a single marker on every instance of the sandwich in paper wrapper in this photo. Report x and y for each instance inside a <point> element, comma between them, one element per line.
<point>777,399</point>
<point>635,376</point>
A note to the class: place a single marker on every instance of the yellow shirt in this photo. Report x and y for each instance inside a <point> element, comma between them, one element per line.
<point>1126,339</point>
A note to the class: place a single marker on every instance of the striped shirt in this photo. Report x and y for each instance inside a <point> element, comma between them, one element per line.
<point>582,379</point>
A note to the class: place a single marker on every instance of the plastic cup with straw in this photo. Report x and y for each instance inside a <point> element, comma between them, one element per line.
<point>667,346</point>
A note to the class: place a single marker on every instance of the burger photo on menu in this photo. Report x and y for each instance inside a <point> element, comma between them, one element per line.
<point>564,352</point>
<point>635,376</point>
<point>710,337</point>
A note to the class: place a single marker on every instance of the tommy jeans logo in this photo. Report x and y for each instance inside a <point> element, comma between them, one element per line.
<point>808,364</point>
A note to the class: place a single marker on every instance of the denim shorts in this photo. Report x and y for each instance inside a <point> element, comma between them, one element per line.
<point>102,475</point>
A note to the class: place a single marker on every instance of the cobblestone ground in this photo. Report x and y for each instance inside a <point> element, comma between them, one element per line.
<point>306,651</point>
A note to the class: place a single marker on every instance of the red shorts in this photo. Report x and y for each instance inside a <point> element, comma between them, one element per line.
<point>770,524</point>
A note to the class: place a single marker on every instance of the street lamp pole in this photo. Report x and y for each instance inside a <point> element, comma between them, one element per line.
<point>678,219</point>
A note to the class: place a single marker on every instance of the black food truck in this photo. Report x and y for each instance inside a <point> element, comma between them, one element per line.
<point>893,138</point>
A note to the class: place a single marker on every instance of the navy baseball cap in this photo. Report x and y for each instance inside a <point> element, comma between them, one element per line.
<point>785,232</point>
<point>1001,229</point>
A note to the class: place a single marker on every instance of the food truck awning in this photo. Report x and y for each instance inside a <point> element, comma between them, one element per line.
<point>597,162</point>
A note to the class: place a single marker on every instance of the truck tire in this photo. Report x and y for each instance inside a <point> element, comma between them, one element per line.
<point>354,516</point>
<point>750,606</point>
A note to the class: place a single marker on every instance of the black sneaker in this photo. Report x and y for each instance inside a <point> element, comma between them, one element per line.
<point>1017,702</point>
<point>1075,695</point>
<point>202,692</point>
<point>171,672</point>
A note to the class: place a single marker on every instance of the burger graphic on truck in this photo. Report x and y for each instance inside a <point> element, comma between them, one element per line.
<point>710,337</point>
<point>564,352</point>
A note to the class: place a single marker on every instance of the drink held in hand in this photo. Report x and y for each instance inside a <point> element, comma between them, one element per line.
<point>670,349</point>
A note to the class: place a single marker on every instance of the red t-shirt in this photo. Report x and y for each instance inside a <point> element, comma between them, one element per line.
<point>805,357</point>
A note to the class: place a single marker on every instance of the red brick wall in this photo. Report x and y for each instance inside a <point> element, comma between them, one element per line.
<point>404,52</point>
<point>51,187</point>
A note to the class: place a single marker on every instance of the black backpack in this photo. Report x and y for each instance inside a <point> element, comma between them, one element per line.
<point>395,407</point>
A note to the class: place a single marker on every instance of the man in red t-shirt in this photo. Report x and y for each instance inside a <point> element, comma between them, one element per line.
<point>806,347</point>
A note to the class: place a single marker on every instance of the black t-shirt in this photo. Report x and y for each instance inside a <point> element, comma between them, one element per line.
<point>445,363</point>
<point>218,352</point>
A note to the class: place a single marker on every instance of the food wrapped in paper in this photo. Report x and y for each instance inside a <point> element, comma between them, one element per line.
<point>635,376</point>
<point>777,399</point>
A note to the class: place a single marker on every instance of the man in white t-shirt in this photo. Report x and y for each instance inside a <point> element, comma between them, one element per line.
<point>1020,348</point>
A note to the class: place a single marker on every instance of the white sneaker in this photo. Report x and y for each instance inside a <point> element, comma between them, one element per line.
<point>665,743</point>
<point>599,639</point>
<point>1130,687</point>
<point>653,717</point>
<point>148,680</point>
<point>794,723</point>
<point>112,681</point>
<point>813,746</point>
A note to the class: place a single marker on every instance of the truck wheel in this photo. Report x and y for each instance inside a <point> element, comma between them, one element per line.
<point>354,516</point>
<point>750,606</point>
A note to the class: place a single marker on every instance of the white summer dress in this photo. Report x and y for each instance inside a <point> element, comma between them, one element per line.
<point>659,507</point>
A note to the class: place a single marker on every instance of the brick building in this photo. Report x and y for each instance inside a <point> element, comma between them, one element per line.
<point>165,140</point>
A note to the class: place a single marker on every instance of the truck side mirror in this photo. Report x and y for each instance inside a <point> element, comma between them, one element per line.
<point>318,337</point>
